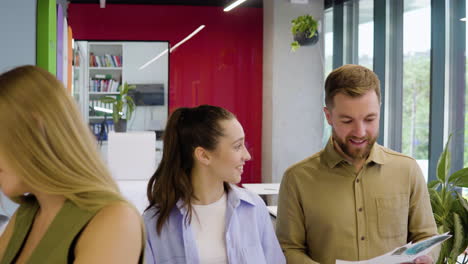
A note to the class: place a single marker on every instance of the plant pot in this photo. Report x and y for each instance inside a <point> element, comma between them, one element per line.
<point>121,126</point>
<point>303,40</point>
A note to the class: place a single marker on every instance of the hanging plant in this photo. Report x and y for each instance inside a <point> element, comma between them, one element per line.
<point>304,30</point>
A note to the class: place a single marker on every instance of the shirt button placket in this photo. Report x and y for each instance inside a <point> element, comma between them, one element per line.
<point>359,214</point>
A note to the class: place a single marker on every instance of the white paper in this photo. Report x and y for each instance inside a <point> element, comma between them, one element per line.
<point>406,253</point>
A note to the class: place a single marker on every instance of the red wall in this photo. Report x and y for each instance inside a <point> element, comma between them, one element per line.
<point>221,65</point>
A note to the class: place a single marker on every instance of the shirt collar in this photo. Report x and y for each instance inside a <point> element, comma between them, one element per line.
<point>332,157</point>
<point>234,196</point>
<point>377,155</point>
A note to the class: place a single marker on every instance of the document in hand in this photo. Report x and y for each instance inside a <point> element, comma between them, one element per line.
<point>406,253</point>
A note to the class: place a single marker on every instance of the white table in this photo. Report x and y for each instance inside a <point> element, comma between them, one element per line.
<point>262,188</point>
<point>132,155</point>
<point>272,210</point>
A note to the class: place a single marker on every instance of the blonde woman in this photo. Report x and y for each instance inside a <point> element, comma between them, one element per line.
<point>70,210</point>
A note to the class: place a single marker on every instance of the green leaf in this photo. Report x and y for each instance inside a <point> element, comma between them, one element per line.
<point>294,46</point>
<point>130,107</point>
<point>448,200</point>
<point>305,23</point>
<point>107,100</point>
<point>443,166</point>
<point>115,114</point>
<point>459,177</point>
<point>463,201</point>
<point>436,199</point>
<point>433,184</point>
<point>444,252</point>
<point>458,237</point>
<point>119,107</point>
<point>124,90</point>
<point>121,101</point>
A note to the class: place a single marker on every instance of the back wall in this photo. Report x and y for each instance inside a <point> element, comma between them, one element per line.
<point>221,65</point>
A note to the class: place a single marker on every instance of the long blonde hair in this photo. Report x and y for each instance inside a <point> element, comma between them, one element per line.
<point>46,142</point>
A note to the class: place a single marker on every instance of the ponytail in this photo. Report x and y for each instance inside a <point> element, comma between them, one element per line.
<point>186,129</point>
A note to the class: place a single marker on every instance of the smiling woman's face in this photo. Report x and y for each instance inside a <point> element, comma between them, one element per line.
<point>230,155</point>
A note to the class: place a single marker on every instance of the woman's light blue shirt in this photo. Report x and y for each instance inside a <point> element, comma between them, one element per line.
<point>250,237</point>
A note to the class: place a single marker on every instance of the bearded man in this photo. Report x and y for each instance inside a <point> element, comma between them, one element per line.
<point>353,200</point>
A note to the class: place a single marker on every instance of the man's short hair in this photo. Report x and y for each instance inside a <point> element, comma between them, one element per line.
<point>351,80</point>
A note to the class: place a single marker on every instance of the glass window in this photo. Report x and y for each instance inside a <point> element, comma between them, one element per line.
<point>328,65</point>
<point>416,80</point>
<point>366,33</point>
<point>465,154</point>
<point>328,28</point>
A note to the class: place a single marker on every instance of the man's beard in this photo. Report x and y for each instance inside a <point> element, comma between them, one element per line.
<point>355,153</point>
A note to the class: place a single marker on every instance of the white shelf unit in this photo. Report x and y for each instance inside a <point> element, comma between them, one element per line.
<point>103,80</point>
<point>133,54</point>
<point>78,76</point>
<point>104,74</point>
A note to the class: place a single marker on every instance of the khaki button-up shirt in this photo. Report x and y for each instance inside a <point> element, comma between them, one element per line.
<point>327,211</point>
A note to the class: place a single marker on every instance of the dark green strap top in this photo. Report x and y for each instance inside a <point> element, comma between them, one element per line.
<point>57,245</point>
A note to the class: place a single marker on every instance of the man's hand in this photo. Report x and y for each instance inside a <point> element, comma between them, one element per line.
<point>423,260</point>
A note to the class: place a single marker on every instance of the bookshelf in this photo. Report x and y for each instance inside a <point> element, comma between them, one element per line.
<point>104,76</point>
<point>78,76</point>
<point>105,65</point>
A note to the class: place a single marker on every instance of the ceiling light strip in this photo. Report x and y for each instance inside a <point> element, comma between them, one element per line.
<point>188,37</point>
<point>173,48</point>
<point>153,59</point>
<point>233,5</point>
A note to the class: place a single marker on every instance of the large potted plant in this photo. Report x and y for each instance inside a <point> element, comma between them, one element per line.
<point>304,30</point>
<point>450,208</point>
<point>120,102</point>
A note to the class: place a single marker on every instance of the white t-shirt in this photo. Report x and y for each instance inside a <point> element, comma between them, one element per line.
<point>209,225</point>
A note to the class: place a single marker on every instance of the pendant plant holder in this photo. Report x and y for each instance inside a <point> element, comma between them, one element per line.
<point>304,31</point>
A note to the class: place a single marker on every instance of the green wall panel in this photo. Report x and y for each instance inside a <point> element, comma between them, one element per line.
<point>47,35</point>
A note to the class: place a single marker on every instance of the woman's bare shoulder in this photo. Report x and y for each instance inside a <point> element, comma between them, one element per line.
<point>114,235</point>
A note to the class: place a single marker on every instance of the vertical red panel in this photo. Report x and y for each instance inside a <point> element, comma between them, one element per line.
<point>221,65</point>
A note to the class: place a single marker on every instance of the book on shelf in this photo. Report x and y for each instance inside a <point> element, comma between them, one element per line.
<point>91,60</point>
<point>105,61</point>
<point>109,61</point>
<point>114,61</point>
<point>103,85</point>
<point>119,60</point>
